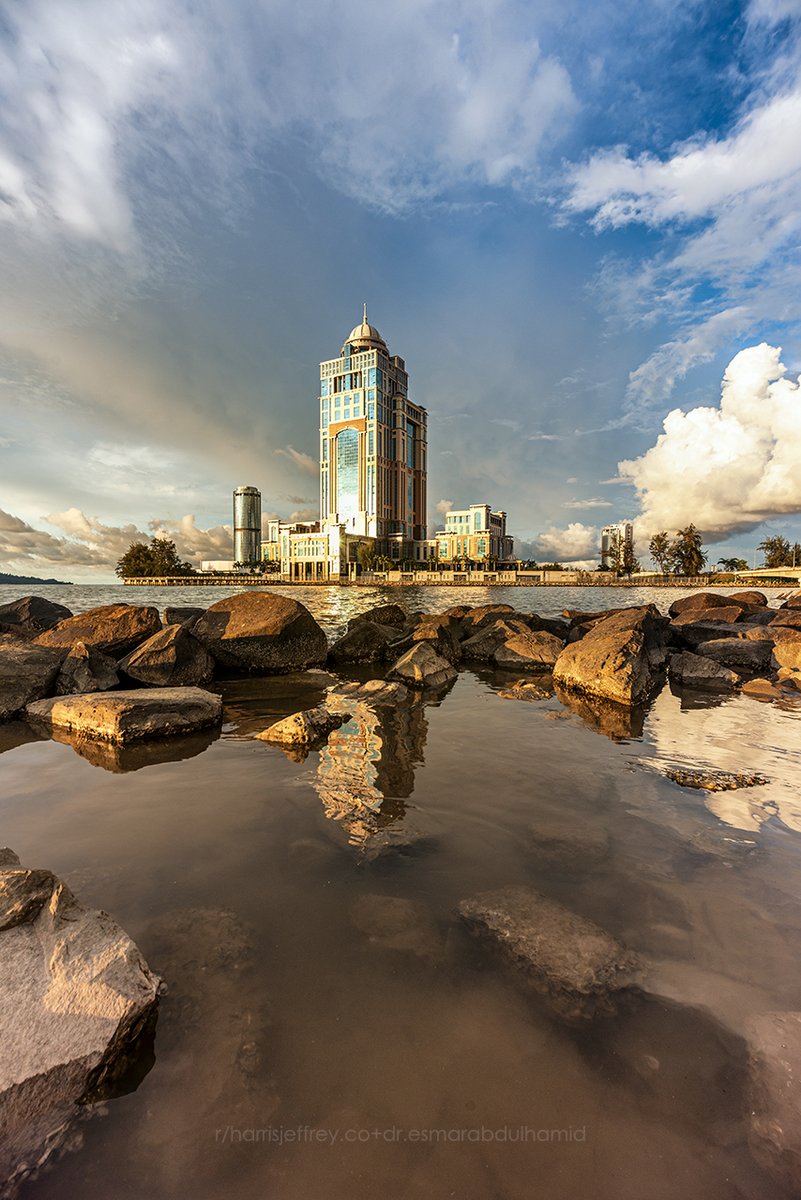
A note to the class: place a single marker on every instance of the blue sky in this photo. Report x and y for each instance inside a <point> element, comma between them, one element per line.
<point>568,219</point>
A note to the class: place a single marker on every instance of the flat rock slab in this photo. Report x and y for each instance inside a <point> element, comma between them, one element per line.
<point>125,717</point>
<point>774,1054</point>
<point>579,968</point>
<point>714,781</point>
<point>74,995</point>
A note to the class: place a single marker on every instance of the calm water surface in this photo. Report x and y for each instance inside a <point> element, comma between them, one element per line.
<point>258,887</point>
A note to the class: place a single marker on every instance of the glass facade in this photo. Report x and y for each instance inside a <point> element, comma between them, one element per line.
<point>247,525</point>
<point>347,473</point>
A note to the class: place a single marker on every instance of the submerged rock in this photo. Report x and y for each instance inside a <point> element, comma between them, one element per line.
<point>527,689</point>
<point>31,615</point>
<point>113,628</point>
<point>698,671</point>
<point>75,994</point>
<point>397,924</point>
<point>579,968</point>
<point>125,717</point>
<point>27,672</point>
<point>714,781</point>
<point>86,670</point>
<point>567,845</point>
<point>170,658</point>
<point>774,1063</point>
<point>618,658</point>
<point>307,729</point>
<point>421,667</point>
<point>261,633</point>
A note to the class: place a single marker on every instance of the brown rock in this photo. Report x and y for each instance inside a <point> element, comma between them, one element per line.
<point>739,654</point>
<point>170,658</point>
<point>700,600</point>
<point>86,670</point>
<point>787,653</point>
<point>307,729</point>
<point>692,616</point>
<point>125,717</point>
<point>758,598</point>
<point>618,659</point>
<point>261,633</point>
<point>31,615</point>
<point>114,629</point>
<point>698,671</point>
<point>528,651</point>
<point>27,672</point>
<point>421,667</point>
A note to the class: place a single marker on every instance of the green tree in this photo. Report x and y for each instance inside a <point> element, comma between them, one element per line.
<point>661,551</point>
<point>160,558</point>
<point>687,556</point>
<point>777,552</point>
<point>366,556</point>
<point>733,564</point>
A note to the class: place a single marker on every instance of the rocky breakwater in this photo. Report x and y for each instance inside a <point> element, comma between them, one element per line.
<point>76,1001</point>
<point>616,657</point>
<point>258,633</point>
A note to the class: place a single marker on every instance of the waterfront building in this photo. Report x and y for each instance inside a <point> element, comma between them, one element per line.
<point>373,447</point>
<point>474,534</point>
<point>617,544</point>
<point>247,524</point>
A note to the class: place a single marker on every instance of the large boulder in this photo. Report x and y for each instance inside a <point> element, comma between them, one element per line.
<point>774,1062</point>
<point>579,968</point>
<point>306,729</point>
<point>792,602</point>
<point>482,645</point>
<point>786,618</point>
<point>114,629</point>
<point>753,598</point>
<point>698,671</point>
<point>692,633</point>
<point>483,615</point>
<point>700,600</point>
<point>27,672</point>
<point>182,614</point>
<point>442,633</point>
<point>125,717</point>
<point>739,654</point>
<point>529,651</point>
<point>75,996</point>
<point>383,614</point>
<point>728,613</point>
<point>170,658</point>
<point>86,670</point>
<point>363,642</point>
<point>787,653</point>
<point>618,658</point>
<point>31,615</point>
<point>261,633</point>
<point>421,667</point>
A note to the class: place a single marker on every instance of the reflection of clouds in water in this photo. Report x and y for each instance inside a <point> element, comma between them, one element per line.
<point>736,735</point>
<point>367,767</point>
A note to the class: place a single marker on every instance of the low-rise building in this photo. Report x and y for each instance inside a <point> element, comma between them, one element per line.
<point>473,534</point>
<point>617,545</point>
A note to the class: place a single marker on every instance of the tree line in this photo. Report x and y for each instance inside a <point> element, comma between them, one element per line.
<point>679,555</point>
<point>160,558</point>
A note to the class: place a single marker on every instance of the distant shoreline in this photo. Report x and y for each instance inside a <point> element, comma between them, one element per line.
<point>418,580</point>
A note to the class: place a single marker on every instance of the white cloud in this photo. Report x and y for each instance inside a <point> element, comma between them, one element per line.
<point>443,506</point>
<point>592,502</point>
<point>304,462</point>
<point>728,468</point>
<point>577,542</point>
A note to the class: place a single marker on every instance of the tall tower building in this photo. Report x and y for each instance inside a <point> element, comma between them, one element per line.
<point>247,524</point>
<point>373,445</point>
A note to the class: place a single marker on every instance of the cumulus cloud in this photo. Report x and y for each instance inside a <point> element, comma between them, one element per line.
<point>577,543</point>
<point>90,542</point>
<point>727,468</point>
<point>443,506</point>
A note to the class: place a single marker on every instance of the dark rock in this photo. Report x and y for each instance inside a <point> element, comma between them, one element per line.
<point>618,659</point>
<point>182,615</point>
<point>170,658</point>
<point>700,600</point>
<point>481,646</point>
<point>726,614</point>
<point>307,729</point>
<point>788,618</point>
<point>27,672</point>
<point>115,629</point>
<point>757,598</point>
<point>579,968</point>
<point>739,654</point>
<point>31,615</point>
<point>698,671</point>
<point>125,717</point>
<point>77,994</point>
<point>363,642</point>
<point>421,667</point>
<point>774,1101</point>
<point>391,615</point>
<point>714,781</point>
<point>792,602</point>
<point>256,633</point>
<point>756,615</point>
<point>529,651</point>
<point>442,633</point>
<point>485,614</point>
<point>555,625</point>
<point>86,670</point>
<point>692,634</point>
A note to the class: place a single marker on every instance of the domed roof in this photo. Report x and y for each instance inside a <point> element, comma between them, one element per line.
<point>365,336</point>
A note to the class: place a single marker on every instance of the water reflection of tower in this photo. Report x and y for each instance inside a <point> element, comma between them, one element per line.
<point>367,768</point>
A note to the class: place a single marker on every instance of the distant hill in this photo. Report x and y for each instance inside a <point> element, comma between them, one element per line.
<point>29,579</point>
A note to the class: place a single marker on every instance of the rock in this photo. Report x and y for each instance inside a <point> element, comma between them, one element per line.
<point>125,717</point>
<point>789,677</point>
<point>31,615</point>
<point>442,633</point>
<point>86,670</point>
<point>762,689</point>
<point>114,629</point>
<point>27,672</point>
<point>484,615</point>
<point>698,671</point>
<point>579,968</point>
<point>182,615</point>
<point>171,658</point>
<point>397,924</point>
<point>691,634</point>
<point>77,995</point>
<point>787,653</point>
<point>375,692</point>
<point>308,729</point>
<point>723,614</point>
<point>757,598</point>
<point>714,781</point>
<point>482,645</point>
<point>617,659</point>
<point>261,633</point>
<point>391,615</point>
<point>565,845</point>
<point>792,602</point>
<point>527,689</point>
<point>739,654</point>
<point>756,615</point>
<point>365,641</point>
<point>760,633</point>
<point>786,618</point>
<point>774,1100</point>
<point>422,667</point>
<point>529,651</point>
<point>555,625</point>
<point>700,600</point>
